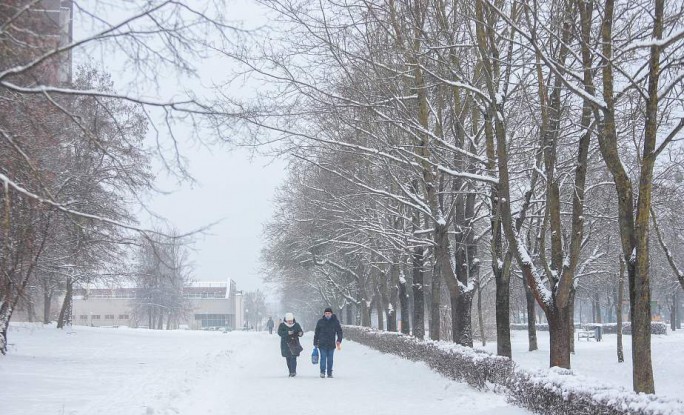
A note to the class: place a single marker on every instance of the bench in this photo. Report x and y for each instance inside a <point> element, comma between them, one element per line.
<point>586,334</point>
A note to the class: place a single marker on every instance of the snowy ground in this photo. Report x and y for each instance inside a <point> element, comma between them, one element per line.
<point>599,359</point>
<point>89,371</point>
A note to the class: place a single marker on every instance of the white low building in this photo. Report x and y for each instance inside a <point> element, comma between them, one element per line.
<point>212,305</point>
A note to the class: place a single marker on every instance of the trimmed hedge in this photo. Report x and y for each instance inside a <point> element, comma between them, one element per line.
<point>475,367</point>
<point>657,327</point>
<point>554,391</point>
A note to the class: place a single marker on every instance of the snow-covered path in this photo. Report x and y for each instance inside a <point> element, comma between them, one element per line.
<point>142,372</point>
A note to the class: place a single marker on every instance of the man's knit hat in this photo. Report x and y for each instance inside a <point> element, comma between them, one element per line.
<point>328,310</point>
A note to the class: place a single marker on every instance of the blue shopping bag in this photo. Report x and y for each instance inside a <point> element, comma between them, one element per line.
<point>314,356</point>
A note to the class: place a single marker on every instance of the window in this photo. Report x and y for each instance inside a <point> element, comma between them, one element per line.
<point>213,320</point>
<point>95,317</point>
<point>109,316</point>
<point>123,316</point>
<point>83,317</point>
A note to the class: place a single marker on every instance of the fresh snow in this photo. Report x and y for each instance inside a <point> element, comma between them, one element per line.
<point>597,361</point>
<point>108,371</point>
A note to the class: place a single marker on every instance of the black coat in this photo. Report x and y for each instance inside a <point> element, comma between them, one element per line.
<point>326,330</point>
<point>289,343</point>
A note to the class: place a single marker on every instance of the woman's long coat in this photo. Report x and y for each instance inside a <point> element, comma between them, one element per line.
<point>289,343</point>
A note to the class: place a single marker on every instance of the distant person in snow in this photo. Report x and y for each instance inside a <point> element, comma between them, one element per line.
<point>328,329</point>
<point>269,325</point>
<point>290,331</point>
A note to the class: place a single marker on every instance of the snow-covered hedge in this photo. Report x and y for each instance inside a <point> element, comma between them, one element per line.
<point>657,327</point>
<point>559,391</point>
<point>476,367</point>
<point>540,327</point>
<point>552,391</point>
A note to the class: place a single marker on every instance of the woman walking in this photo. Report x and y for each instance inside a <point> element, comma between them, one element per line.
<point>290,331</point>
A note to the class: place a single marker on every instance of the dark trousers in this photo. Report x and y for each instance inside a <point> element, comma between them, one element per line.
<point>270,330</point>
<point>291,364</point>
<point>326,359</point>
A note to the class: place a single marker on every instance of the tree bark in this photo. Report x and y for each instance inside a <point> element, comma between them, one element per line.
<point>418,297</point>
<point>47,304</point>
<point>380,311</point>
<point>404,304</point>
<point>65,312</point>
<point>436,296</point>
<point>531,318</point>
<point>480,317</point>
<point>559,332</point>
<point>503,318</point>
<point>673,312</point>
<point>621,284</point>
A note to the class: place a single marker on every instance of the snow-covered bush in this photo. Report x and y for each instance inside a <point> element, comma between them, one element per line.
<point>539,326</point>
<point>657,327</point>
<point>553,391</point>
<point>475,367</point>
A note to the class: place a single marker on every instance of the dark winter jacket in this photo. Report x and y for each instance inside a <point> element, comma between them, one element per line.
<point>289,343</point>
<point>270,324</point>
<point>326,330</point>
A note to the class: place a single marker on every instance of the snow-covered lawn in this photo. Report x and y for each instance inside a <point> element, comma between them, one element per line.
<point>88,371</point>
<point>599,359</point>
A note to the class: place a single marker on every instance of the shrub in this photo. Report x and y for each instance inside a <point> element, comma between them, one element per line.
<point>555,391</point>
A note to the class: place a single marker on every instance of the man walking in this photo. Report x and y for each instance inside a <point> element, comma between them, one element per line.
<point>327,329</point>
<point>270,324</point>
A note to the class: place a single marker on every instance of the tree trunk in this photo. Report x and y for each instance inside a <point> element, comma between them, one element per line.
<point>395,305</point>
<point>418,294</point>
<point>436,295</point>
<point>380,311</point>
<point>559,333</point>
<point>47,302</point>
<point>531,318</point>
<point>675,309</point>
<point>65,312</point>
<point>621,285</point>
<point>673,312</point>
<point>5,315</point>
<point>404,304</point>
<point>503,318</point>
<point>571,327</point>
<point>365,313</point>
<point>388,298</point>
<point>461,317</point>
<point>480,317</point>
<point>598,318</point>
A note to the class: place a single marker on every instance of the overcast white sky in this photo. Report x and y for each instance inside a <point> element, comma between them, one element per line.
<point>229,187</point>
<point>232,186</point>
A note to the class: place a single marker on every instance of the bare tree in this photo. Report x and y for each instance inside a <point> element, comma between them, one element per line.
<point>163,271</point>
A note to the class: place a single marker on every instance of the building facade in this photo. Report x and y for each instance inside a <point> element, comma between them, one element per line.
<point>212,305</point>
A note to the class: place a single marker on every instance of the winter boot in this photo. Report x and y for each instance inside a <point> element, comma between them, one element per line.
<point>322,375</point>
